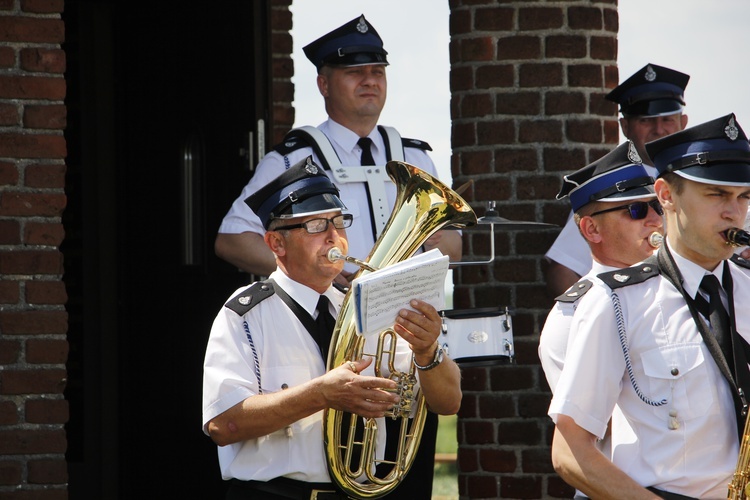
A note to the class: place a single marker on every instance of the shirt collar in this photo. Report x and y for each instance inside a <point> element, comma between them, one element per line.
<point>347,139</point>
<point>598,268</point>
<point>692,273</point>
<point>304,295</point>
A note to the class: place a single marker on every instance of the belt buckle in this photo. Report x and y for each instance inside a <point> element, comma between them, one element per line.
<point>314,493</point>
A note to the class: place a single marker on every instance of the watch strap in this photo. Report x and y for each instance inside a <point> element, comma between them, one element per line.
<point>435,361</point>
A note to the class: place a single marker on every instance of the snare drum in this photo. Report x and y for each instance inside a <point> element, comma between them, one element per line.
<point>478,337</point>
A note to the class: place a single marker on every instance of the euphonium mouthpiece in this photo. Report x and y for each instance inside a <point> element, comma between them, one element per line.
<point>655,239</point>
<point>736,237</point>
<point>335,254</point>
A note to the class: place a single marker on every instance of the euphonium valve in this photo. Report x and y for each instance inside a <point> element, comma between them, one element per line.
<point>655,239</point>
<point>335,254</point>
<point>423,206</point>
<point>736,237</point>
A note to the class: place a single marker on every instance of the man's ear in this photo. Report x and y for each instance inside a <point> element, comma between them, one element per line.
<point>275,242</point>
<point>624,126</point>
<point>590,229</point>
<point>665,194</point>
<point>322,85</point>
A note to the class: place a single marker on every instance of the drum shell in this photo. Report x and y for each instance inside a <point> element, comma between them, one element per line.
<point>478,337</point>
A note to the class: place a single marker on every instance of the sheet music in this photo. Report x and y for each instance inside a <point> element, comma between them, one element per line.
<point>378,296</point>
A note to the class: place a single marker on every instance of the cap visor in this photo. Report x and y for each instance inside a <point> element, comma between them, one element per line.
<point>724,174</point>
<point>318,204</point>
<point>632,194</point>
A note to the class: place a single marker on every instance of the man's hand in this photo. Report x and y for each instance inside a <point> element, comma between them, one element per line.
<point>368,397</point>
<point>420,329</point>
<point>345,278</point>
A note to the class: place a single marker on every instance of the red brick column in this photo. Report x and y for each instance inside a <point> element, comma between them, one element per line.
<point>282,70</point>
<point>33,321</point>
<point>527,82</point>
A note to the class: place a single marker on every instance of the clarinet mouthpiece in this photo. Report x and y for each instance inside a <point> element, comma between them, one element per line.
<point>736,237</point>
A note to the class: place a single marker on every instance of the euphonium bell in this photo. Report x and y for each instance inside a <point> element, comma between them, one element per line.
<point>423,206</point>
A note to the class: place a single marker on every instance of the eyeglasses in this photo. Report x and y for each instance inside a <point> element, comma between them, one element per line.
<point>637,210</point>
<point>320,225</point>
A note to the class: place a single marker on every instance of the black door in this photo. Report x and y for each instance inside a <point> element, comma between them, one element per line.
<point>171,89</point>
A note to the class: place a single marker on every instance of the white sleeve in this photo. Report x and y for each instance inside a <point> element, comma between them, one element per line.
<point>240,217</point>
<point>591,381</point>
<point>570,249</point>
<point>229,375</point>
<point>553,341</point>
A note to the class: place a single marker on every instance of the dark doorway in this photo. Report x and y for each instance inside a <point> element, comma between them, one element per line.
<point>162,99</point>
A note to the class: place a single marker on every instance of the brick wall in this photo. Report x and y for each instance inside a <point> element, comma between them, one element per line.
<point>33,321</point>
<point>527,85</point>
<point>282,70</point>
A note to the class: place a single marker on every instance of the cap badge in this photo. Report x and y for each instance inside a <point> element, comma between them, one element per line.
<point>633,155</point>
<point>731,130</point>
<point>311,168</point>
<point>650,74</point>
<point>362,25</point>
<point>622,278</point>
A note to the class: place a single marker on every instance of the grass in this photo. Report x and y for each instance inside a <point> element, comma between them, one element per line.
<point>445,481</point>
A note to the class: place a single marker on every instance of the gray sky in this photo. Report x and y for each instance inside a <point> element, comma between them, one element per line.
<point>707,40</point>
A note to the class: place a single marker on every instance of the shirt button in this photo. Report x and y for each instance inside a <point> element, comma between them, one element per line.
<point>675,371</point>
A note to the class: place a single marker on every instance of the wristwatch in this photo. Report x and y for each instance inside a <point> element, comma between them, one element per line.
<point>435,361</point>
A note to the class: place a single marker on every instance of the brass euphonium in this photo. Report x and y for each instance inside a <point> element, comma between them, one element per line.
<point>423,206</point>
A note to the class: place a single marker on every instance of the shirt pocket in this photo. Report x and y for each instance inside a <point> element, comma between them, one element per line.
<point>678,373</point>
<point>278,378</point>
<point>352,207</point>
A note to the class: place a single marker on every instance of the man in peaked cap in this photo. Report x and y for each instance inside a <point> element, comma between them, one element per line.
<point>617,213</point>
<point>265,384</point>
<point>651,102</point>
<point>665,340</point>
<point>616,210</point>
<point>351,64</point>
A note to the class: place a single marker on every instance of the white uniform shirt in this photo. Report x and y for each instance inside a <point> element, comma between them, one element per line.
<point>241,218</point>
<point>553,341</point>
<point>570,248</point>
<point>270,340</point>
<point>669,361</point>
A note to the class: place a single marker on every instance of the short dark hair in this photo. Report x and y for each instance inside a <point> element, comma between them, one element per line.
<point>674,180</point>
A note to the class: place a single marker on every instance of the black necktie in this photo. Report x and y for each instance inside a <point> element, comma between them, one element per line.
<point>365,143</point>
<point>325,324</point>
<point>718,317</point>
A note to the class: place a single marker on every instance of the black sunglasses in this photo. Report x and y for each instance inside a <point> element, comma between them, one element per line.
<point>637,210</point>
<point>320,225</point>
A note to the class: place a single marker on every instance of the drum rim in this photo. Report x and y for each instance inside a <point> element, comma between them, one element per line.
<point>481,312</point>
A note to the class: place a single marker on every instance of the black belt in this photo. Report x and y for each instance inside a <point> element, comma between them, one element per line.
<point>282,487</point>
<point>668,495</point>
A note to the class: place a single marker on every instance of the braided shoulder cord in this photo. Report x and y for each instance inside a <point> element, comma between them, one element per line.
<point>255,355</point>
<point>626,352</point>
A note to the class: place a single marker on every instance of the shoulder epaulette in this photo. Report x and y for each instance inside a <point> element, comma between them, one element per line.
<point>630,275</point>
<point>250,297</point>
<point>575,292</point>
<point>415,143</point>
<point>292,142</point>
<point>740,261</point>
